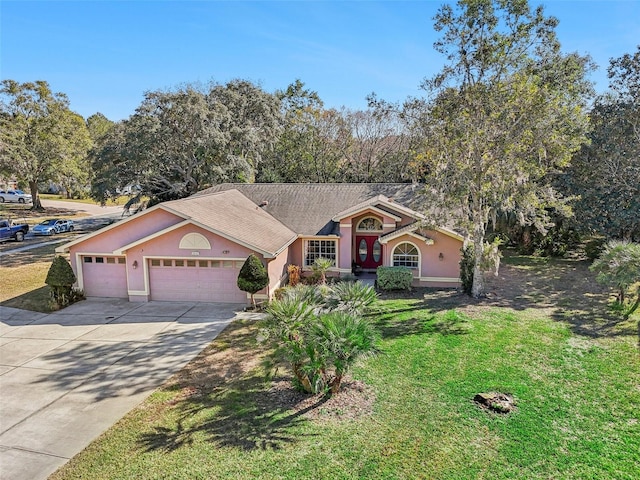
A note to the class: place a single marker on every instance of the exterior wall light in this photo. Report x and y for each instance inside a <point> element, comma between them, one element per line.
<point>134,264</point>
<point>441,256</point>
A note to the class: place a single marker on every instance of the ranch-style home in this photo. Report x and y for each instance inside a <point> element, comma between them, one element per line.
<point>192,249</point>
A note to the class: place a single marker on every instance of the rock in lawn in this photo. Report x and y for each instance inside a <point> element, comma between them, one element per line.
<point>495,401</point>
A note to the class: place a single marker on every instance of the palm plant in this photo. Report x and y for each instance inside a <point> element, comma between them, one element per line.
<point>306,293</point>
<point>287,321</point>
<point>619,266</point>
<point>321,345</point>
<point>355,298</point>
<point>320,267</point>
<point>342,339</point>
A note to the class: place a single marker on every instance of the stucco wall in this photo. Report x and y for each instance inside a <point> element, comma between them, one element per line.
<point>348,232</point>
<point>167,246</point>
<point>122,233</point>
<point>433,271</point>
<point>277,269</point>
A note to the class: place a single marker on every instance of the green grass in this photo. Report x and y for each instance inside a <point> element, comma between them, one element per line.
<point>577,416</point>
<point>22,279</point>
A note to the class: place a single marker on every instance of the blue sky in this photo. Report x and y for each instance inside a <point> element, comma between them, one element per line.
<point>105,55</point>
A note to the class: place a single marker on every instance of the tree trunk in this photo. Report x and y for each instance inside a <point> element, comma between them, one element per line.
<point>302,378</point>
<point>37,205</point>
<point>633,308</point>
<point>477,288</point>
<point>335,383</point>
<point>621,295</point>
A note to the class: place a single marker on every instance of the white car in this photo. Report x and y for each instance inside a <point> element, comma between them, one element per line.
<point>16,196</point>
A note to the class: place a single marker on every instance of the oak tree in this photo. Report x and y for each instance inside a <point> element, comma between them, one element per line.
<point>506,110</point>
<point>39,135</point>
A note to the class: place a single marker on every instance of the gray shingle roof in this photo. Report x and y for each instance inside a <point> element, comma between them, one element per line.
<point>307,208</point>
<point>235,216</point>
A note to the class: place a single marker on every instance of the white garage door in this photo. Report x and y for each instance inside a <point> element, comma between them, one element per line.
<point>104,276</point>
<point>195,280</point>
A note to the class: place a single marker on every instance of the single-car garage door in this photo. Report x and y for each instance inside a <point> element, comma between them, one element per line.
<point>104,276</point>
<point>195,280</point>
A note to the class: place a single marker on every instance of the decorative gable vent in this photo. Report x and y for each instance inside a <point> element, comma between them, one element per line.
<point>194,241</point>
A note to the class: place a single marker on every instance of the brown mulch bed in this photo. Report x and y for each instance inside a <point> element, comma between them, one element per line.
<point>354,400</point>
<point>235,356</point>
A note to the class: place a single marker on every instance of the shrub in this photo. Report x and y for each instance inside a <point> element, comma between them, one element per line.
<point>394,278</point>
<point>352,297</point>
<point>466,268</point>
<point>61,279</point>
<point>253,277</point>
<point>294,275</point>
<point>279,293</point>
<point>594,247</point>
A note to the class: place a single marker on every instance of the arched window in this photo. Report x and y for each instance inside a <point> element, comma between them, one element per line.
<point>406,255</point>
<point>194,241</point>
<point>369,224</point>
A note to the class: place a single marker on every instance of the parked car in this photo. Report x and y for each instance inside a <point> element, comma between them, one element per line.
<point>53,226</point>
<point>9,231</point>
<point>15,196</point>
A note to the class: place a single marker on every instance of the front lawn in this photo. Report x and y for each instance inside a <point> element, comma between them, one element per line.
<point>577,391</point>
<point>22,279</point>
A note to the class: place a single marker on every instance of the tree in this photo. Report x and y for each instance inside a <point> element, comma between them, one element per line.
<point>99,126</point>
<point>181,141</point>
<point>380,147</point>
<point>314,142</point>
<point>253,277</point>
<point>505,112</point>
<point>60,278</point>
<point>38,133</point>
<point>604,174</point>
<point>73,172</point>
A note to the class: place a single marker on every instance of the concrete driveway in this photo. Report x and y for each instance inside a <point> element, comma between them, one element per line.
<point>68,376</point>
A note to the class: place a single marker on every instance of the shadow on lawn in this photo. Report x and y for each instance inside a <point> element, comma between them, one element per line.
<point>421,319</point>
<point>223,397</point>
<point>564,289</point>
<point>243,415</point>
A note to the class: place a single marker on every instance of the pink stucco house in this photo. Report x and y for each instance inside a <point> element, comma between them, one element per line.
<point>193,248</point>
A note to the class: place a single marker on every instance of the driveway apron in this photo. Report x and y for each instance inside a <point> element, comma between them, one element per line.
<point>66,377</point>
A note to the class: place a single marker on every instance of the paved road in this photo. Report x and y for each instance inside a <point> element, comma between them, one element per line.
<point>90,209</point>
<point>68,376</point>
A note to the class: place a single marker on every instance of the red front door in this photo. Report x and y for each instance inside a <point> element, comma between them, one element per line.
<point>368,251</point>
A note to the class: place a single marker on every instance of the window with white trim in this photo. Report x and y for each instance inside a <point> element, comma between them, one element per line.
<point>406,255</point>
<point>314,249</point>
<point>369,224</point>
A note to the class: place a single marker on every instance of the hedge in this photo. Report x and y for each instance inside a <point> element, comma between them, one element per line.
<point>394,278</point>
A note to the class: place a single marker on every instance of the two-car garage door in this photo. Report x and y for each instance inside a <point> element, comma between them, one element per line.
<point>195,280</point>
